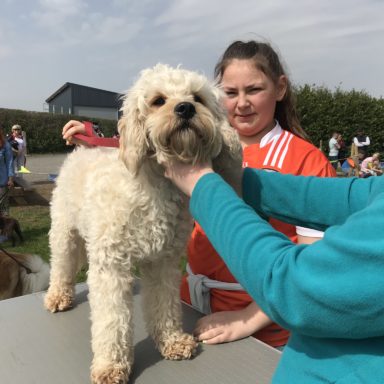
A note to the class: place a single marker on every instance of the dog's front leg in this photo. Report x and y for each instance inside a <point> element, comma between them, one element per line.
<point>162,308</point>
<point>67,255</point>
<point>110,296</point>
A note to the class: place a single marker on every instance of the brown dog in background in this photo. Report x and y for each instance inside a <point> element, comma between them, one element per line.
<point>8,227</point>
<point>21,274</point>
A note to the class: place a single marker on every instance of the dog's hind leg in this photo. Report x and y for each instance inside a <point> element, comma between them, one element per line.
<point>9,279</point>
<point>111,302</point>
<point>162,308</point>
<point>67,249</point>
<point>18,231</point>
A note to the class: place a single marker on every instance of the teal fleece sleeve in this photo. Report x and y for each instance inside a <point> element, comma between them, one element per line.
<point>332,288</point>
<point>310,201</point>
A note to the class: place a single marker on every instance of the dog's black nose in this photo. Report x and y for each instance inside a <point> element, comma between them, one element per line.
<point>185,110</point>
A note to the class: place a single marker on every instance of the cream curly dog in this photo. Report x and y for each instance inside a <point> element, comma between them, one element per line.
<point>117,208</point>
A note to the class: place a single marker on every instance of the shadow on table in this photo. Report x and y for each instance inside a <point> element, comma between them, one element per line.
<point>146,353</point>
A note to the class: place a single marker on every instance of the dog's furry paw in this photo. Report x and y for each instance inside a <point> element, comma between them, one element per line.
<point>112,374</point>
<point>56,301</point>
<point>182,347</point>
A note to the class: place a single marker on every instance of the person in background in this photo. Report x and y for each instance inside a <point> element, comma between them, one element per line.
<point>14,145</point>
<point>362,142</point>
<point>370,166</point>
<point>342,155</point>
<point>376,168</point>
<point>17,136</point>
<point>334,147</point>
<point>97,129</point>
<point>6,172</point>
<point>260,105</point>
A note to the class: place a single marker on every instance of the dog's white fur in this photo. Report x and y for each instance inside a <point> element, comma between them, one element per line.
<point>14,279</point>
<point>120,210</point>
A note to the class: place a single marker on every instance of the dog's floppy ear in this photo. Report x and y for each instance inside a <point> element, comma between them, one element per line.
<point>133,141</point>
<point>231,151</point>
<point>229,161</point>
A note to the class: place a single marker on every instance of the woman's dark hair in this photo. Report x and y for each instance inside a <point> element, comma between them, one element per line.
<point>267,61</point>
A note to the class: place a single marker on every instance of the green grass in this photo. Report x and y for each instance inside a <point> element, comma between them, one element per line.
<point>35,223</point>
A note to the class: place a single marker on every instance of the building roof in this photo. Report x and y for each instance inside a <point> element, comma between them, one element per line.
<point>68,85</point>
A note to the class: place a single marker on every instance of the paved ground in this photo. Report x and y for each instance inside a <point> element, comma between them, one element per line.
<point>41,166</point>
<point>38,184</point>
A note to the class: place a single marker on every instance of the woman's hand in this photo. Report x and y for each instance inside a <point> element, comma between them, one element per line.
<point>186,176</point>
<point>10,182</point>
<point>72,128</point>
<point>222,327</point>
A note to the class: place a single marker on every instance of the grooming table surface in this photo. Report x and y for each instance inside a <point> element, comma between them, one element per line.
<point>37,347</point>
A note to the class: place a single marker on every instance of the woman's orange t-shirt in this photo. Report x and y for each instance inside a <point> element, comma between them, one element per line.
<point>279,151</point>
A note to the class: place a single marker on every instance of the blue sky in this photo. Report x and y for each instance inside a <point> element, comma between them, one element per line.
<point>104,44</point>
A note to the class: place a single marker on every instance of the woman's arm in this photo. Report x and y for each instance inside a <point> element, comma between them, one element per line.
<point>74,127</point>
<point>82,133</point>
<point>357,142</point>
<point>225,326</point>
<point>326,289</point>
<point>306,201</point>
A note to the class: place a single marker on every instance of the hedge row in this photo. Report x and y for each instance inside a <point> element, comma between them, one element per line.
<point>321,112</point>
<point>44,129</point>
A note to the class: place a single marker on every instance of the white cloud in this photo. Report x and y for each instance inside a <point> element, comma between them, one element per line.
<point>53,13</point>
<point>105,43</point>
<point>111,30</point>
<point>75,22</point>
<point>5,40</point>
<point>5,51</point>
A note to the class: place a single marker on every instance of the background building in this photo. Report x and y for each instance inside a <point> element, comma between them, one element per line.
<point>80,100</point>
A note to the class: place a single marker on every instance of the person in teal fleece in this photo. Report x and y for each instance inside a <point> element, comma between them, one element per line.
<point>329,294</point>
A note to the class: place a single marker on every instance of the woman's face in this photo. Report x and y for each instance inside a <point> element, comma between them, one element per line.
<point>250,98</point>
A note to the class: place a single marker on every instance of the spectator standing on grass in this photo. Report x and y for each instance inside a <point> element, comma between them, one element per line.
<point>334,147</point>
<point>14,145</point>
<point>342,150</point>
<point>362,142</point>
<point>17,136</point>
<point>6,172</point>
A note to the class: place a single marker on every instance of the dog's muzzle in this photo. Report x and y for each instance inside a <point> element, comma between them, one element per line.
<point>185,110</point>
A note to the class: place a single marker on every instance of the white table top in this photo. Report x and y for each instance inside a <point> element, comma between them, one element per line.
<point>37,347</point>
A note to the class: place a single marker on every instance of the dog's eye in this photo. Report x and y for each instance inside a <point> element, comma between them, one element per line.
<point>198,99</point>
<point>159,101</point>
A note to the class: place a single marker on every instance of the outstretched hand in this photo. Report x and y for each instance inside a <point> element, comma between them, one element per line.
<point>72,128</point>
<point>226,326</point>
<point>186,176</point>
